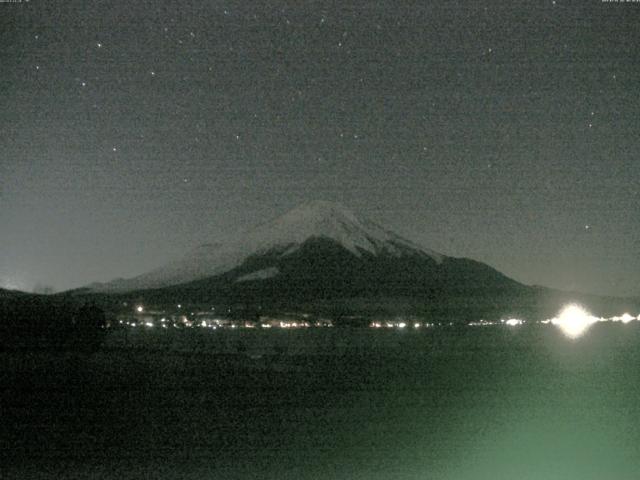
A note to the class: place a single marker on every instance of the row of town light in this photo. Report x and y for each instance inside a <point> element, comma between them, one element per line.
<point>573,320</point>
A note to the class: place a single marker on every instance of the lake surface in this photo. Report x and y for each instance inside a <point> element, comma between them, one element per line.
<point>448,403</point>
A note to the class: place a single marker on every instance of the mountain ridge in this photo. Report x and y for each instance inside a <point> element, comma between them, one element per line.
<point>317,219</point>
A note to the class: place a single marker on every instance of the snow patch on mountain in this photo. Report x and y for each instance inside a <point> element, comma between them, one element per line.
<point>259,275</point>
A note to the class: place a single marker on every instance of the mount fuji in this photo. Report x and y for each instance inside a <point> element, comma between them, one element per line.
<point>313,235</point>
<point>318,252</point>
<point>321,256</point>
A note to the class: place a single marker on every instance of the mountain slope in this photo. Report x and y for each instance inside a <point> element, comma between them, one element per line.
<point>4,293</point>
<point>322,269</point>
<point>280,237</point>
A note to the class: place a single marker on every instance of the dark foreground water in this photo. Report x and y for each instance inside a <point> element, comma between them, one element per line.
<point>478,403</point>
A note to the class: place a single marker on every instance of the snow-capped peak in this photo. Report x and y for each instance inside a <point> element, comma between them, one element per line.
<point>329,220</point>
<point>317,219</point>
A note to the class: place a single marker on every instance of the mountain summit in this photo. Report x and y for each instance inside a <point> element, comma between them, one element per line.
<point>322,219</point>
<point>281,237</point>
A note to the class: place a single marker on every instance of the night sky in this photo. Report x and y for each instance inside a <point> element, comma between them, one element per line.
<point>504,131</point>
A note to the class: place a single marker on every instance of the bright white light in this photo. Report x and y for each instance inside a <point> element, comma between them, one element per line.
<point>626,318</point>
<point>574,321</point>
<point>402,325</point>
<point>203,323</point>
<point>149,324</point>
<point>140,309</point>
<point>416,325</point>
<point>512,322</point>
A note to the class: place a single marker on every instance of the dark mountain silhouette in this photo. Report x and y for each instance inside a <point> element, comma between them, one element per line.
<point>321,257</point>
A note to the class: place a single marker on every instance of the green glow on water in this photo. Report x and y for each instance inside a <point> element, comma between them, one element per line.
<point>525,402</point>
